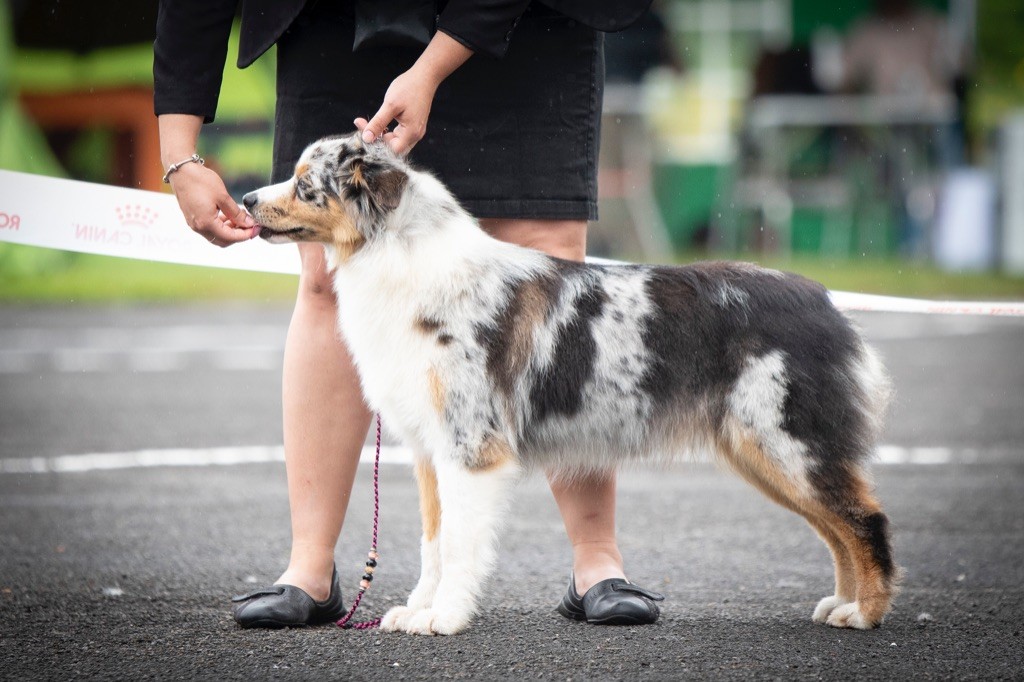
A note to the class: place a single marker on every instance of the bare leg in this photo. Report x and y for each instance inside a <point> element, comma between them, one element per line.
<point>587,504</point>
<point>325,424</point>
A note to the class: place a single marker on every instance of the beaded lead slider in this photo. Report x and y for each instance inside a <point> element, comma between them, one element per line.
<point>371,564</point>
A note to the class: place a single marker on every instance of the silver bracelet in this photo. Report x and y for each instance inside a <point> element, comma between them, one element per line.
<point>175,166</point>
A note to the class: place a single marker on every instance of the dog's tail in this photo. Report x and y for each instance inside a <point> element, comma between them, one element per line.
<point>873,392</point>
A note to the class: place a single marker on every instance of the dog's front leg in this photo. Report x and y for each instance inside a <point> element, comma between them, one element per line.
<point>472,502</point>
<point>422,595</point>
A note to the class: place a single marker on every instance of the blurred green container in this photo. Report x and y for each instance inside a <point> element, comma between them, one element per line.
<point>687,195</point>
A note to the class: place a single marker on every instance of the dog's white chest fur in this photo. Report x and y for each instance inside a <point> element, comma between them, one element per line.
<point>392,304</point>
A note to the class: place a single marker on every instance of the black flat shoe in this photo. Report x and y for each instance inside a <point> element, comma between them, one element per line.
<point>287,606</point>
<point>611,602</point>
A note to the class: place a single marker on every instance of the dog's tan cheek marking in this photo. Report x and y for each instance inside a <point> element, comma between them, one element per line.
<point>344,235</point>
<point>494,454</point>
<point>430,503</point>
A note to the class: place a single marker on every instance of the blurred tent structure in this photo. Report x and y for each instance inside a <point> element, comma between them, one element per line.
<point>81,72</point>
<point>22,147</point>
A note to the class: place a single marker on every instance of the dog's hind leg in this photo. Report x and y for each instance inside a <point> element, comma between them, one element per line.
<point>845,575</point>
<point>856,571</point>
<point>856,518</point>
<point>422,595</point>
<point>472,502</point>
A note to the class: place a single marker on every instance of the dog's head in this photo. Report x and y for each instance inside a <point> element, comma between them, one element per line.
<point>341,193</point>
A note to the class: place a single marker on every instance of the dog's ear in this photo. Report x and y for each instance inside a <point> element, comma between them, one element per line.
<point>374,186</point>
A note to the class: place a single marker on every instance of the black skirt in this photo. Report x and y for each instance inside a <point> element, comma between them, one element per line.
<point>512,138</point>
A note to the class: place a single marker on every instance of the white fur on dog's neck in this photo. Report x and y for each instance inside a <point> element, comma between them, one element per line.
<point>430,260</point>
<point>429,242</point>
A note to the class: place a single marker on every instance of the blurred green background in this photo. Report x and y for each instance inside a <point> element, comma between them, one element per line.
<point>702,153</point>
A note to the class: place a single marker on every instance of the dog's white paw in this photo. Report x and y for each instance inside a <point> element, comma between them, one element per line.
<point>396,619</point>
<point>826,606</point>
<point>849,616</point>
<point>437,622</point>
<point>421,599</point>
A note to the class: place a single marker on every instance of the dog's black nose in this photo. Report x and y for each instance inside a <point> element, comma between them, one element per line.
<point>249,200</point>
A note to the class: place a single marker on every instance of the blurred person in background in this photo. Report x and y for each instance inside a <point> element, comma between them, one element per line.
<point>908,51</point>
<point>513,135</point>
<point>902,49</point>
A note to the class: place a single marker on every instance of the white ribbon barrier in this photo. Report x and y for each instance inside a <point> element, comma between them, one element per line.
<point>130,223</point>
<point>118,221</point>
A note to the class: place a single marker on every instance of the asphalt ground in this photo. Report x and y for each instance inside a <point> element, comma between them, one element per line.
<point>126,573</point>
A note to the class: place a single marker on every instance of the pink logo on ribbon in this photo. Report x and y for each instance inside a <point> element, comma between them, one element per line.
<point>10,221</point>
<point>130,218</point>
<point>136,215</point>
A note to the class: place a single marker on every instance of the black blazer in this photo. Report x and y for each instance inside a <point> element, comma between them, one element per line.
<point>192,37</point>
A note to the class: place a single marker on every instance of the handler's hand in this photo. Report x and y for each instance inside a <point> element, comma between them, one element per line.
<point>408,100</point>
<point>209,209</point>
<point>410,96</point>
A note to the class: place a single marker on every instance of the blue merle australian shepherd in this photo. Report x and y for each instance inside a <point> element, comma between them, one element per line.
<point>487,359</point>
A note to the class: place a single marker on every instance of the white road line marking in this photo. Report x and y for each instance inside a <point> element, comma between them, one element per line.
<point>894,454</point>
<point>255,454</point>
<point>174,457</point>
<point>248,359</point>
<point>147,361</point>
<point>75,360</point>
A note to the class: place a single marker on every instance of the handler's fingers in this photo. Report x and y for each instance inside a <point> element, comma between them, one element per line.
<point>403,139</point>
<point>376,126</point>
<point>235,213</point>
<point>388,137</point>
<point>217,232</point>
<point>236,219</point>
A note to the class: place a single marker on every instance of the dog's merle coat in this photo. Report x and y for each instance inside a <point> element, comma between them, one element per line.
<point>486,358</point>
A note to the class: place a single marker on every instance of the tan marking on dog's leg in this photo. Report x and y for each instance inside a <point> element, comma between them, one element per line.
<point>845,575</point>
<point>473,504</point>
<point>874,589</point>
<point>430,503</point>
<point>422,596</point>
<point>748,459</point>
<point>494,454</point>
<point>436,391</point>
<point>744,454</point>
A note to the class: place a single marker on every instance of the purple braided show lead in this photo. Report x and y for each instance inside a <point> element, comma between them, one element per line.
<point>343,622</point>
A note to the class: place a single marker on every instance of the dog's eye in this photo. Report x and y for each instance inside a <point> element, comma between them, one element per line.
<point>303,189</point>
